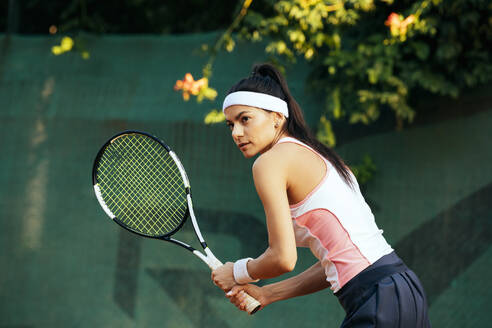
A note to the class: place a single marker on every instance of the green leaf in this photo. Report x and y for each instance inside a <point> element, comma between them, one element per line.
<point>325,132</point>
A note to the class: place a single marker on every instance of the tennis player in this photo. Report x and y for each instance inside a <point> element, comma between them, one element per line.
<point>312,199</point>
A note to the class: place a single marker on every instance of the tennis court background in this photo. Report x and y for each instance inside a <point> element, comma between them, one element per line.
<point>64,264</point>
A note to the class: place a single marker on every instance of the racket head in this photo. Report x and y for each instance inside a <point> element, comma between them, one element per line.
<point>141,184</point>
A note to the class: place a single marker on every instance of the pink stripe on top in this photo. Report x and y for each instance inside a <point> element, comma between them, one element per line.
<point>335,222</point>
<point>335,246</point>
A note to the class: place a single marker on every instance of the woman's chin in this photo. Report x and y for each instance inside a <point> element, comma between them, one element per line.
<point>248,153</point>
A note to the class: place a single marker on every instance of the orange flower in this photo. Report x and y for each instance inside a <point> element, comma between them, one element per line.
<point>393,20</point>
<point>398,25</point>
<point>189,85</point>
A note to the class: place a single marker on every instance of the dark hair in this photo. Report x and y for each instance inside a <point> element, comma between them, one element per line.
<point>265,78</point>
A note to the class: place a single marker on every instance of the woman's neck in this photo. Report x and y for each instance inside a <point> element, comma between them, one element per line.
<point>276,139</point>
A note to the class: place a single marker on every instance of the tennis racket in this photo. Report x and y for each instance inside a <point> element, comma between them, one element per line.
<point>141,185</point>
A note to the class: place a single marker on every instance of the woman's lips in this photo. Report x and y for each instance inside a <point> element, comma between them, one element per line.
<point>242,145</point>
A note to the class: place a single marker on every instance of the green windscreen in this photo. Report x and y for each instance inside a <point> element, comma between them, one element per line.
<point>142,185</point>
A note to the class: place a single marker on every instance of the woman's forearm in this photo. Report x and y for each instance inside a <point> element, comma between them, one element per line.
<point>307,282</point>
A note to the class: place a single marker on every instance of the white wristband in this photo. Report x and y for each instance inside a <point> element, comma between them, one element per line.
<point>241,275</point>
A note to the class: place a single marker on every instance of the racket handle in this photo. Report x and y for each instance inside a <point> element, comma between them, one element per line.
<point>252,305</point>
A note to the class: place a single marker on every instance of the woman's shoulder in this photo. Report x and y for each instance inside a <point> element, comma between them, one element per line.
<point>278,158</point>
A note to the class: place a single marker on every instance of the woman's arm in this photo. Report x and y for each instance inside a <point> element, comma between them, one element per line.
<point>307,282</point>
<point>270,177</point>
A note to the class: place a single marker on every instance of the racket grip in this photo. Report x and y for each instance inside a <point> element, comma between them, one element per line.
<point>252,305</point>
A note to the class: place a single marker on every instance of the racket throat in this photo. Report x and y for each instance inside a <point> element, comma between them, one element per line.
<point>210,259</point>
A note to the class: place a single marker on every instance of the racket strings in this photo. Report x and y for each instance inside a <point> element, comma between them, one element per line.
<point>147,204</point>
<point>142,185</point>
<point>148,180</point>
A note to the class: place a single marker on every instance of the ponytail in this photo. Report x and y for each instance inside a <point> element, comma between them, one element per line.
<point>265,78</point>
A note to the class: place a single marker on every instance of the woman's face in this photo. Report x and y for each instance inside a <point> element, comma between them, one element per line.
<point>253,129</point>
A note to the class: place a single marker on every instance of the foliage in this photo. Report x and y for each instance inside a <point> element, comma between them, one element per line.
<point>325,132</point>
<point>65,45</point>
<point>368,56</point>
<point>68,44</point>
<point>214,116</point>
<point>364,171</point>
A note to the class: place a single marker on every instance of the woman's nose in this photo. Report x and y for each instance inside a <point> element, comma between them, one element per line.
<point>237,131</point>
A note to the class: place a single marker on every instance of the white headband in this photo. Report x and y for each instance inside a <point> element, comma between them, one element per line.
<point>256,99</point>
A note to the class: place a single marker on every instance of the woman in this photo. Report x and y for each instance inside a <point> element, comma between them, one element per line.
<point>311,199</point>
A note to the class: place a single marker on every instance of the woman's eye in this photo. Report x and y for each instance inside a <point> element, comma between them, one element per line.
<point>244,119</point>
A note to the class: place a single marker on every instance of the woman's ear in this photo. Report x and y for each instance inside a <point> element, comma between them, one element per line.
<point>277,119</point>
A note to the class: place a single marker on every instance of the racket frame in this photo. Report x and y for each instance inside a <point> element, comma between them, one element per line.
<point>189,209</point>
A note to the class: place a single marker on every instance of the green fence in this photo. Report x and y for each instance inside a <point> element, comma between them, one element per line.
<point>64,264</point>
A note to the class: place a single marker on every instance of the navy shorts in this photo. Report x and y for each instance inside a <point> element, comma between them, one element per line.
<point>385,295</point>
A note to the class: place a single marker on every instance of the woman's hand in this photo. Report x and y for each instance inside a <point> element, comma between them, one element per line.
<point>237,295</point>
<point>223,276</point>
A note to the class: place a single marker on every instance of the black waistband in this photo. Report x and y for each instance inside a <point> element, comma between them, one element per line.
<point>353,291</point>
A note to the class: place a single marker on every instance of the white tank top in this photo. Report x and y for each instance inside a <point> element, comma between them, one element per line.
<point>336,223</point>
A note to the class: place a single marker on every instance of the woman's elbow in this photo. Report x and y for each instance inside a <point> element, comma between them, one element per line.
<point>287,263</point>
